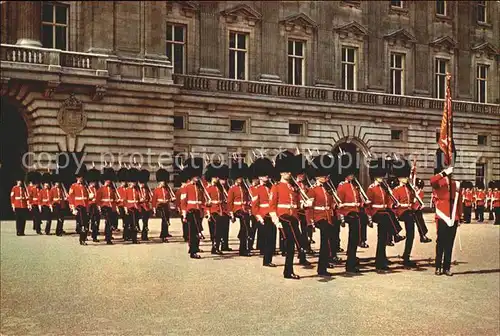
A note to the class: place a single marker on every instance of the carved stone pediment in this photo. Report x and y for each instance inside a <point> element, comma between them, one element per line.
<point>72,117</point>
<point>299,22</point>
<point>352,30</point>
<point>188,8</point>
<point>242,12</point>
<point>400,37</point>
<point>485,49</point>
<point>444,44</point>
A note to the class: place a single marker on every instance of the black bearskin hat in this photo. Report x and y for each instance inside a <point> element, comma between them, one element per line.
<point>238,169</point>
<point>347,166</point>
<point>144,176</point>
<point>466,185</point>
<point>321,166</point>
<point>480,185</point>
<point>262,167</point>
<point>491,184</point>
<point>162,175</point>
<point>123,174</point>
<point>378,168</point>
<point>194,167</point>
<point>93,175</point>
<point>108,174</point>
<point>133,175</point>
<point>47,178</point>
<point>401,168</point>
<point>285,162</point>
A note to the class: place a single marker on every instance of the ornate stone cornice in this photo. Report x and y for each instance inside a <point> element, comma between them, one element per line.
<point>352,30</point>
<point>299,22</point>
<point>188,7</point>
<point>400,37</point>
<point>485,49</point>
<point>243,12</point>
<point>445,44</point>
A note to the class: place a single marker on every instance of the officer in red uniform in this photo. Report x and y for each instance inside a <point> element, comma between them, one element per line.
<point>448,210</point>
<point>223,181</point>
<point>320,212</point>
<point>238,204</point>
<point>162,196</point>
<point>93,176</point>
<point>300,167</point>
<point>214,209</point>
<point>132,205</point>
<point>78,198</point>
<point>122,176</point>
<point>350,209</point>
<point>106,199</point>
<point>19,201</point>
<point>34,179</point>
<point>145,202</point>
<point>182,179</point>
<point>419,216</point>
<point>480,201</point>
<point>489,196</point>
<point>263,168</point>
<point>254,223</point>
<point>467,200</point>
<point>284,203</point>
<point>45,201</point>
<point>58,196</point>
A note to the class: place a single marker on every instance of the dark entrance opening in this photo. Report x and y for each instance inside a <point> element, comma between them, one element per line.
<point>13,146</point>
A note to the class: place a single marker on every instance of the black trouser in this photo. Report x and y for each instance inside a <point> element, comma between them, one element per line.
<point>354,222</point>
<point>363,217</point>
<point>409,220</point>
<point>420,221</point>
<point>95,218</point>
<point>490,213</point>
<point>163,211</point>
<point>267,234</point>
<point>444,244</point>
<point>480,213</point>
<point>304,232</point>
<point>384,225</point>
<point>82,222</point>
<point>194,229</point>
<point>225,231</point>
<point>21,215</point>
<point>467,213</point>
<point>37,222</point>
<point>394,228</point>
<point>334,239</point>
<point>109,221</point>
<point>145,223</point>
<point>59,216</point>
<point>497,215</point>
<point>47,216</point>
<point>291,234</point>
<point>254,224</point>
<point>125,220</point>
<point>132,227</point>
<point>215,226</point>
<point>326,230</point>
<point>244,233</point>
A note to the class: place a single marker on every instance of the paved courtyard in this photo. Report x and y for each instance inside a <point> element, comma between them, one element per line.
<point>52,286</point>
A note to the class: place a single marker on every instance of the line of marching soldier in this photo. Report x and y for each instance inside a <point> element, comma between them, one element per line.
<point>480,200</point>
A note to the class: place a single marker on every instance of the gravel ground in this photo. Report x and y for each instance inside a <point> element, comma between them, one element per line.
<point>52,286</point>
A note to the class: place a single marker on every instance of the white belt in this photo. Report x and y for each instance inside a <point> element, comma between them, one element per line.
<point>322,208</point>
<point>106,200</point>
<point>19,198</point>
<point>216,202</point>
<point>351,204</point>
<point>35,199</point>
<point>161,200</point>
<point>379,206</point>
<point>132,201</point>
<point>264,205</point>
<point>56,199</point>
<point>194,202</point>
<point>45,200</point>
<point>238,203</point>
<point>287,206</point>
<point>80,198</point>
<point>404,205</point>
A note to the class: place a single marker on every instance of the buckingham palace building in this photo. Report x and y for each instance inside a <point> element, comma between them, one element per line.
<point>153,79</point>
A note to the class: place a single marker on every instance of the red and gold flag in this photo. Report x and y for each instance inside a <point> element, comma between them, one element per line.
<point>446,134</point>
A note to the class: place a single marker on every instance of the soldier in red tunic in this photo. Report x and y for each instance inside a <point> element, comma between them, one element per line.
<point>254,223</point>
<point>78,198</point>
<point>181,179</point>
<point>467,200</point>
<point>161,202</point>
<point>300,167</point>
<point>33,202</point>
<point>214,209</point>
<point>19,201</point>
<point>132,205</point>
<point>263,168</point>
<point>495,201</point>
<point>93,176</point>
<point>321,210</point>
<point>238,205</point>
<point>480,201</point>
<point>45,201</point>
<point>284,203</point>
<point>106,199</point>
<point>145,202</point>
<point>58,196</point>
<point>120,194</point>
<point>419,215</point>
<point>489,196</point>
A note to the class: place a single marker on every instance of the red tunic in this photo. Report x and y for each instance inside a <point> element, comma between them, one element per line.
<point>18,197</point>
<point>161,196</point>
<point>178,195</point>
<point>92,194</point>
<point>284,200</point>
<point>121,191</point>
<point>416,205</point>
<point>405,199</point>
<point>479,198</point>
<point>379,198</point>
<point>303,187</point>
<point>145,199</point>
<point>132,198</point>
<point>44,197</point>
<point>215,205</point>
<point>440,186</point>
<point>350,198</point>
<point>57,195</point>
<point>33,194</point>
<point>78,195</point>
<point>106,197</point>
<point>322,205</point>
<point>468,198</point>
<point>260,201</point>
<point>236,199</point>
<point>496,199</point>
<point>192,198</point>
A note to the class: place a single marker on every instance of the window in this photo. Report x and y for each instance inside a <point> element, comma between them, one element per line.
<point>179,122</point>
<point>176,47</point>
<point>482,140</point>
<point>238,126</point>
<point>396,134</point>
<point>55,26</point>
<point>296,63</point>
<point>481,11</point>
<point>398,4</point>
<point>238,56</point>
<point>441,7</point>
<point>441,68</point>
<point>349,70</point>
<point>482,83</point>
<point>480,171</point>
<point>397,74</point>
<point>295,128</point>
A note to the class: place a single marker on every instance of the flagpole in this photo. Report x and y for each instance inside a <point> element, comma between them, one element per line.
<point>449,112</point>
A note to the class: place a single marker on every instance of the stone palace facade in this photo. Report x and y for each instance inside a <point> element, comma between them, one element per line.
<point>124,77</point>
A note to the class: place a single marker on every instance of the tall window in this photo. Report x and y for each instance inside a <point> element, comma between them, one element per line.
<point>238,56</point>
<point>397,4</point>
<point>441,67</point>
<point>480,171</point>
<point>349,70</point>
<point>296,62</point>
<point>397,74</point>
<point>441,7</point>
<point>176,47</point>
<point>55,26</point>
<point>482,83</point>
<point>481,11</point>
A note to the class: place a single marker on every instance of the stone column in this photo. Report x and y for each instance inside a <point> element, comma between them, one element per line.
<point>269,71</point>
<point>29,23</point>
<point>209,41</point>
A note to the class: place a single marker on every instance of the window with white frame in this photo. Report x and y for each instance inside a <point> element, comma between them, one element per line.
<point>441,7</point>
<point>440,70</point>
<point>481,11</point>
<point>482,83</point>
<point>349,69</point>
<point>55,26</point>
<point>397,74</point>
<point>398,4</point>
<point>296,62</point>
<point>238,56</point>
<point>176,47</point>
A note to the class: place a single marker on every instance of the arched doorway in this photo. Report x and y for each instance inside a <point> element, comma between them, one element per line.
<point>358,151</point>
<point>13,145</point>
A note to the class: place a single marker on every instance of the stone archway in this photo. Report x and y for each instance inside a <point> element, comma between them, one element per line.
<point>13,145</point>
<point>360,152</point>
